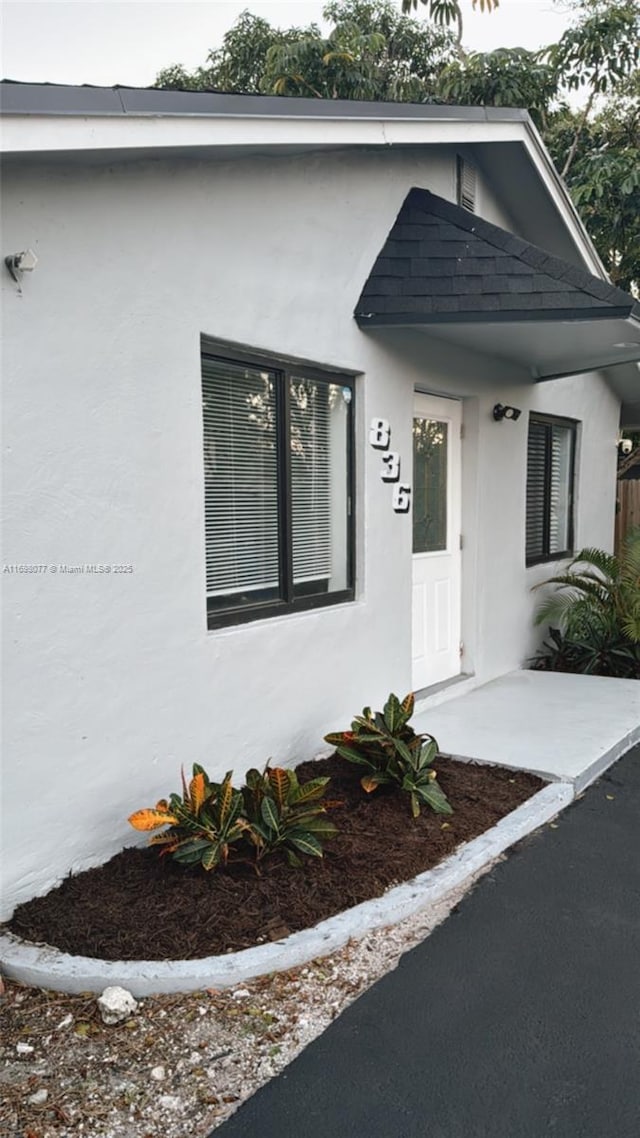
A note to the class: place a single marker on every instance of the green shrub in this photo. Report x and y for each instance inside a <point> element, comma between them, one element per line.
<point>594,614</point>
<point>203,823</point>
<point>392,753</point>
<point>594,653</point>
<point>272,811</point>
<point>282,814</point>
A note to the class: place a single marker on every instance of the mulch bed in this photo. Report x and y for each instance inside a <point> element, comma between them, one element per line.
<point>141,907</point>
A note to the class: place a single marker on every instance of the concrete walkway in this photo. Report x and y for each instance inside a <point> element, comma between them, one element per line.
<point>562,726</point>
<point>518,1018</point>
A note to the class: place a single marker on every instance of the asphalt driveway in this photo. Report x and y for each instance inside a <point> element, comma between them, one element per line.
<point>518,1018</point>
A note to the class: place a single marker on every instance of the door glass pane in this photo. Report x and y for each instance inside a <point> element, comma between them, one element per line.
<point>430,445</point>
<point>559,503</point>
<point>241,484</point>
<point>319,485</point>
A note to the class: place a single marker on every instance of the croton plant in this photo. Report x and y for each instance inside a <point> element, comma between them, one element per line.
<point>391,752</point>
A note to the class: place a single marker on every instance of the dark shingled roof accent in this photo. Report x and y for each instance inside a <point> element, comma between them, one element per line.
<point>443,264</point>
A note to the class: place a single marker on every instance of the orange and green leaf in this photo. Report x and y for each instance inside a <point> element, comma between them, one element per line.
<point>408,704</point>
<point>279,780</point>
<point>166,838</point>
<point>151,819</point>
<point>225,798</point>
<point>197,791</point>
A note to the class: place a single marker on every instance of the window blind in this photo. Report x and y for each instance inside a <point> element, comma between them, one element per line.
<point>310,479</point>
<point>278,488</point>
<point>241,478</point>
<point>536,481</point>
<point>560,442</point>
<point>549,488</point>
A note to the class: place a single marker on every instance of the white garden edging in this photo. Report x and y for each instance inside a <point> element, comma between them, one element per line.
<point>44,967</point>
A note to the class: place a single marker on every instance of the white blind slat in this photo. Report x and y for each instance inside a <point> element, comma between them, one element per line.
<point>241,478</point>
<point>310,479</point>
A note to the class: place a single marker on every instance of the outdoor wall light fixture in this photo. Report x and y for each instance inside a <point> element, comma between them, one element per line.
<point>503,411</point>
<point>19,263</point>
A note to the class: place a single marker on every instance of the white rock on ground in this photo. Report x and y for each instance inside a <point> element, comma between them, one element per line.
<point>39,1098</point>
<point>116,1004</point>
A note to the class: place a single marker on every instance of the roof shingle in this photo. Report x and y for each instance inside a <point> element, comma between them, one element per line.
<point>442,262</point>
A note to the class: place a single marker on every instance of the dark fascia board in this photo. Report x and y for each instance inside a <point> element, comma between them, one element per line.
<point>51,99</point>
<point>57,99</point>
<point>511,316</point>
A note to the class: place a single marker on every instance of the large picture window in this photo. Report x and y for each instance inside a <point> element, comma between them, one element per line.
<point>278,487</point>
<point>550,473</point>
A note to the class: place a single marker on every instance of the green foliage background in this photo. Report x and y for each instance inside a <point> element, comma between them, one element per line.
<point>379,50</point>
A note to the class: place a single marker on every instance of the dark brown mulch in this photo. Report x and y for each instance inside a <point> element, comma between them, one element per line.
<point>141,907</point>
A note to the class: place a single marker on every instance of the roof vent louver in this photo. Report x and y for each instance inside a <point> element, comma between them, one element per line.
<point>466,184</point>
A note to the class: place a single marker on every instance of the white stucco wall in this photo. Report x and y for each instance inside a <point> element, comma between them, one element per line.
<point>111,682</point>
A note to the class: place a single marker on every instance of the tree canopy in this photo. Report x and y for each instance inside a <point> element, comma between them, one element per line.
<point>447,12</point>
<point>371,52</point>
<point>604,176</point>
<point>377,49</point>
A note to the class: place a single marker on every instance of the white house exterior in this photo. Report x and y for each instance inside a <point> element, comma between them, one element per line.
<point>173,229</point>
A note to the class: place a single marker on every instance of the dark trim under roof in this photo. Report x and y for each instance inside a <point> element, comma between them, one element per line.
<point>57,99</point>
<point>441,264</point>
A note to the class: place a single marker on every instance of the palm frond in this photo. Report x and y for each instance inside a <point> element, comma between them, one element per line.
<point>630,559</point>
<point>596,608</point>
<point>606,563</point>
<point>630,625</point>
<point>555,608</point>
<point>582,587</point>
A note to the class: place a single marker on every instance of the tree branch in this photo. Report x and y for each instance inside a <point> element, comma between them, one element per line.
<point>576,138</point>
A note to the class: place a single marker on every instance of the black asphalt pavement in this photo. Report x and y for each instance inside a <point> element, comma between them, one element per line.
<point>518,1018</point>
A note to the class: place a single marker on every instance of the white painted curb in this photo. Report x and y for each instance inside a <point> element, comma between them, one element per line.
<point>45,967</point>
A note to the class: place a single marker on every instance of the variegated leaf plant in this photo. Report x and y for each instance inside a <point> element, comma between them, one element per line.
<point>392,753</point>
<point>204,822</point>
<point>283,814</point>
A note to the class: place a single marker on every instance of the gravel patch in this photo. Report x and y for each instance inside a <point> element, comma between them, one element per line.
<point>180,1064</point>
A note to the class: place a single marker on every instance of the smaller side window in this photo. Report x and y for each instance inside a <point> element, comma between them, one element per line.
<point>550,488</point>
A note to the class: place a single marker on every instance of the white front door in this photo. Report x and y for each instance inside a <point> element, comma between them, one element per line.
<point>436,540</point>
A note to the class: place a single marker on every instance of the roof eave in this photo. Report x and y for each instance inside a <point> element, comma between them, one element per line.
<point>513,316</point>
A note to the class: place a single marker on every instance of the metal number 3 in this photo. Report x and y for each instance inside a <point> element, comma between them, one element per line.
<point>390,467</point>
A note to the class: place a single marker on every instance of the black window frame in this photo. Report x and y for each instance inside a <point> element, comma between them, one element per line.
<point>549,421</point>
<point>284,370</point>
